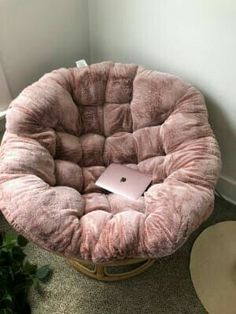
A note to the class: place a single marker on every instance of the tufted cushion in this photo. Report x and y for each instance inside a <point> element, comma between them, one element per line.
<point>64,130</point>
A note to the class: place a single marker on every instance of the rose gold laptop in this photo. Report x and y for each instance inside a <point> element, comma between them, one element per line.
<point>123,180</point>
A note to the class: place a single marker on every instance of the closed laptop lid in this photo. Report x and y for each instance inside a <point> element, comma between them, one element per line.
<point>123,180</point>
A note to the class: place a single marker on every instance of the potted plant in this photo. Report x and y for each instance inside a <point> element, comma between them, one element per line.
<point>17,275</point>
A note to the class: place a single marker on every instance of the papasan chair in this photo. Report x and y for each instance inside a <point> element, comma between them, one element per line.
<point>65,129</point>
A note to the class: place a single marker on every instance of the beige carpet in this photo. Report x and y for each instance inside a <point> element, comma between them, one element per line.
<point>166,288</point>
<point>213,268</point>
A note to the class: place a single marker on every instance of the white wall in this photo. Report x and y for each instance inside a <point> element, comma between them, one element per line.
<point>193,39</point>
<point>37,36</point>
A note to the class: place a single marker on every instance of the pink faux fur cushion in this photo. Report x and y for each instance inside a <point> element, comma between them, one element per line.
<point>62,132</point>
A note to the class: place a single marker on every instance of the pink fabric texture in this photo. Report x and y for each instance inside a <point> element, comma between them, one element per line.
<point>65,129</point>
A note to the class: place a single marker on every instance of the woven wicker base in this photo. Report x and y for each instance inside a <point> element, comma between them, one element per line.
<point>100,271</point>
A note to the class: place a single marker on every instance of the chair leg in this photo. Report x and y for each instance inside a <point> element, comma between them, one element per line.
<point>100,271</point>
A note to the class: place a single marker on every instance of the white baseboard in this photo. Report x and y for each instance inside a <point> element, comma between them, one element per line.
<point>227,187</point>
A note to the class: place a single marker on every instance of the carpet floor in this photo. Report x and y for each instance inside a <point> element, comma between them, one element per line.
<point>166,288</point>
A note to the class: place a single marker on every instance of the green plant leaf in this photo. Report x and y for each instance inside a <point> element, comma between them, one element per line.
<point>7,300</point>
<point>36,283</point>
<point>4,257</point>
<point>9,238</point>
<point>29,268</point>
<point>17,275</point>
<point>18,254</point>
<point>8,297</point>
<point>44,273</point>
<point>6,310</point>
<point>21,240</point>
<point>22,285</point>
<point>1,238</point>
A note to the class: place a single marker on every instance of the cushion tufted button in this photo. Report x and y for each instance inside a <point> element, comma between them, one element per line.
<point>120,148</point>
<point>117,118</point>
<point>68,174</point>
<point>68,147</point>
<point>92,118</point>
<point>119,203</point>
<point>96,201</point>
<point>90,175</point>
<point>92,148</point>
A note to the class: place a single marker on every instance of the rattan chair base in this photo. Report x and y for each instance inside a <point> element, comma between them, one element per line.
<point>100,271</point>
